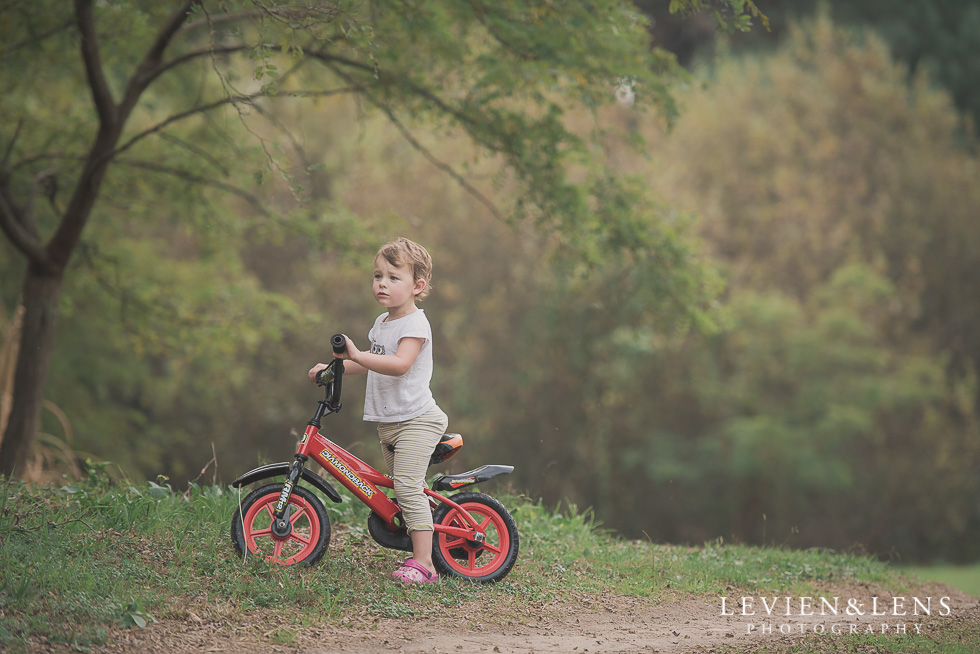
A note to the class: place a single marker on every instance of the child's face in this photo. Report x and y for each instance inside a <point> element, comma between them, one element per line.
<point>395,287</point>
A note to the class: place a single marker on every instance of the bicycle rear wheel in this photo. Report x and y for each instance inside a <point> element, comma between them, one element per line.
<point>485,562</point>
<point>306,538</point>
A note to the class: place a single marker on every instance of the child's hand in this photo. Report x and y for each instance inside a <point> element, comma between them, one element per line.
<point>350,353</point>
<point>316,369</point>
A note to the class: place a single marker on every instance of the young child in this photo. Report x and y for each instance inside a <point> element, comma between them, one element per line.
<point>399,368</point>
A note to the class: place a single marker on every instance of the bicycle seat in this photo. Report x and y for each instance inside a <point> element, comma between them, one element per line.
<point>447,447</point>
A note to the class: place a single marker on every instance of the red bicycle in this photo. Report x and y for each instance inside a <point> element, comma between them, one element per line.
<point>285,523</point>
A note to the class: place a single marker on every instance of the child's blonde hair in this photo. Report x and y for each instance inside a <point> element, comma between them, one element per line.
<point>403,251</point>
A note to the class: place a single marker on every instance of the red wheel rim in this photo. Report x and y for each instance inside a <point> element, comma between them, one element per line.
<point>295,547</point>
<point>471,559</point>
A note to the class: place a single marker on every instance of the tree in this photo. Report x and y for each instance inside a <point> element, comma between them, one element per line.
<point>925,35</point>
<point>834,195</point>
<point>160,76</point>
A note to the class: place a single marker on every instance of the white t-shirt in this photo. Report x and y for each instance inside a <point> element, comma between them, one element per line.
<point>396,399</point>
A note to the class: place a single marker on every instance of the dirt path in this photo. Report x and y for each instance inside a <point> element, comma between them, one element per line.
<point>623,624</point>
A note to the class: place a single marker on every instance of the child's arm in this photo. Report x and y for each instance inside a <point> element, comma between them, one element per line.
<point>394,365</point>
<point>351,368</point>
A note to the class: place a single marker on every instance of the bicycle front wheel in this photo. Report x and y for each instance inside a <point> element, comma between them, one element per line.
<point>305,539</point>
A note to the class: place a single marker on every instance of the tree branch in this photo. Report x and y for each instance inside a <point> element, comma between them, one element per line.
<point>101,94</point>
<point>328,59</point>
<point>438,163</point>
<point>22,238</point>
<point>10,147</point>
<point>480,12</point>
<point>197,151</point>
<point>36,39</point>
<point>46,156</point>
<point>150,67</point>
<point>171,119</point>
<point>425,152</point>
<point>27,215</point>
<point>204,108</point>
<point>315,188</point>
<point>199,179</point>
<point>208,52</point>
<point>167,32</point>
<point>210,182</point>
<point>221,18</point>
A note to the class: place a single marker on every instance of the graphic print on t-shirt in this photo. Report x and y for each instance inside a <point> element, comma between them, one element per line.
<point>377,348</point>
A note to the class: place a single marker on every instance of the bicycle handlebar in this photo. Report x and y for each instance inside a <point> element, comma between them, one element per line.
<point>339,344</point>
<point>331,377</point>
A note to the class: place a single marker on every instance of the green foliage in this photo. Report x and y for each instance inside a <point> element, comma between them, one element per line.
<point>741,13</point>
<point>801,403</point>
<point>133,616</point>
<point>929,37</point>
<point>213,173</point>
<point>817,172</point>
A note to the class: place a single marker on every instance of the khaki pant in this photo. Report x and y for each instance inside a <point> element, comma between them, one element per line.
<point>413,440</point>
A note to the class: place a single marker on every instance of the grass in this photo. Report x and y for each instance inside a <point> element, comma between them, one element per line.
<point>963,577</point>
<point>80,559</point>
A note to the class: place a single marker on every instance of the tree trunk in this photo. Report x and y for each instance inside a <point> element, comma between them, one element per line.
<point>42,289</point>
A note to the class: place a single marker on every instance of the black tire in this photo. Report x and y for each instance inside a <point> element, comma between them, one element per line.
<point>485,562</point>
<point>309,535</point>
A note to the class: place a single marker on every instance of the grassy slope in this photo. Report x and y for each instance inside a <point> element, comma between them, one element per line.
<point>963,577</point>
<point>77,559</point>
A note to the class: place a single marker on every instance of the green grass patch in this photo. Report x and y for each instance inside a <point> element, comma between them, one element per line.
<point>962,577</point>
<point>79,560</point>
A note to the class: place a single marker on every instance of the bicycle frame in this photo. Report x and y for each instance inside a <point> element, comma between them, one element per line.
<point>362,480</point>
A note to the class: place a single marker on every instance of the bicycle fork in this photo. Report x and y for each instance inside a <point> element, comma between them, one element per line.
<point>281,526</point>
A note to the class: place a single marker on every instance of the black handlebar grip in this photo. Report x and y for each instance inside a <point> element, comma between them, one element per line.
<point>339,343</point>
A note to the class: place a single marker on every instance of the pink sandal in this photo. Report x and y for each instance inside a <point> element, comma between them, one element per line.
<point>413,572</point>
